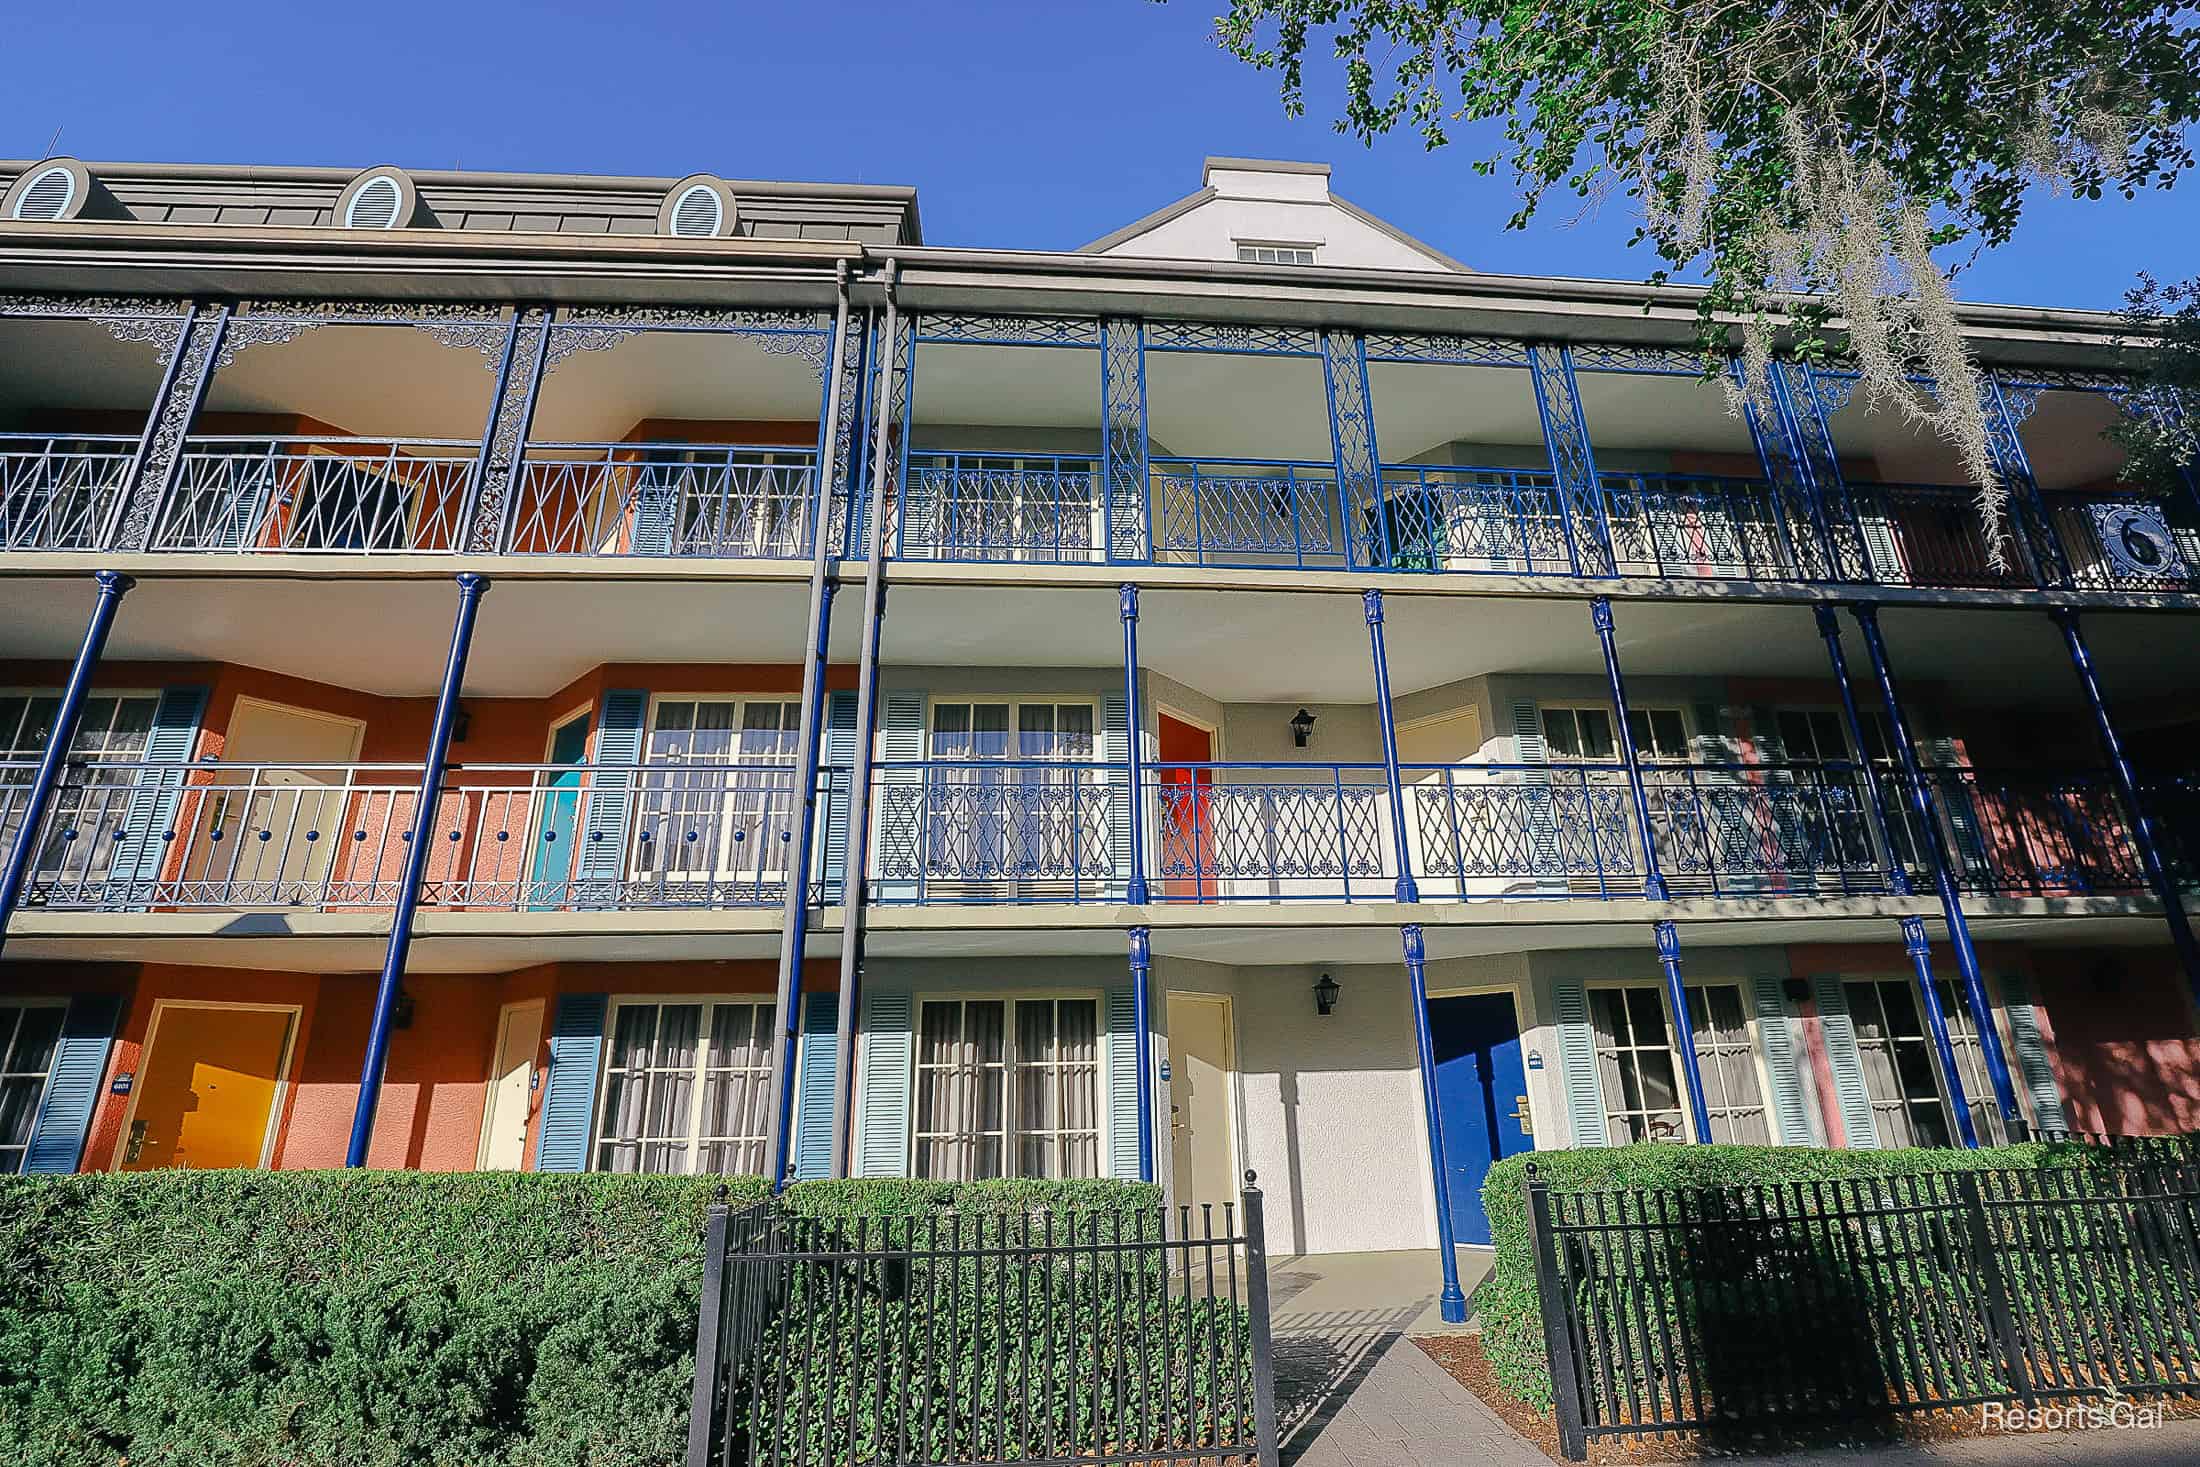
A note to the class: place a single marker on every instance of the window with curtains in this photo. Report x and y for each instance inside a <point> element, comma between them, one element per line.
<point>1584,735</point>
<point>1636,1066</point>
<point>1011,796</point>
<point>687,1087</point>
<point>1727,1058</point>
<point>1901,1074</point>
<point>29,1031</point>
<point>719,792</point>
<point>112,731</point>
<point>1007,1087</point>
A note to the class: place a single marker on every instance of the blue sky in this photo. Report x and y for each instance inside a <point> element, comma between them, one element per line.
<point>1023,123</point>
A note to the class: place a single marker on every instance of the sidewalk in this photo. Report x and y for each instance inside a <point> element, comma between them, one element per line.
<point>1353,1390</point>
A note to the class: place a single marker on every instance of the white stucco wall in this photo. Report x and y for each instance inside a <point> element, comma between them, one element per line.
<point>1278,204</point>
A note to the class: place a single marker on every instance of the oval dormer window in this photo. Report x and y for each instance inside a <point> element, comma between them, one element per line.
<point>47,194</point>
<point>374,204</point>
<point>698,212</point>
<point>699,206</point>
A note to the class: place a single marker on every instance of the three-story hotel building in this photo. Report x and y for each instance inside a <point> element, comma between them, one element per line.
<point>623,674</point>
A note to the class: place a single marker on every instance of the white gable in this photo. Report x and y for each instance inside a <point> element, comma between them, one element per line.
<point>1248,203</point>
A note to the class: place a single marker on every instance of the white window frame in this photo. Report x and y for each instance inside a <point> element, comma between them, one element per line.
<point>1611,714</point>
<point>1750,1027</point>
<point>23,1003</point>
<point>1017,466</point>
<point>1249,251</point>
<point>1969,1051</point>
<point>1754,1039</point>
<point>1009,998</point>
<point>731,861</point>
<point>699,1074</point>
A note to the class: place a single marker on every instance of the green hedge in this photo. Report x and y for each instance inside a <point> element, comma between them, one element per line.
<point>357,1319</point>
<point>1512,1336</point>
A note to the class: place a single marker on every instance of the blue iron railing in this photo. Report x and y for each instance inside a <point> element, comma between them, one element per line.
<point>997,506</point>
<point>948,832</point>
<point>61,493</point>
<point>318,494</point>
<point>663,499</point>
<point>1252,513</point>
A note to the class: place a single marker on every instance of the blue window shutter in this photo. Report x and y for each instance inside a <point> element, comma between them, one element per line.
<point>569,1095</point>
<point>1116,859</point>
<point>1848,1066</point>
<point>1791,1118</point>
<point>901,836</point>
<point>2033,1064</point>
<point>814,1079</point>
<point>840,758</point>
<point>1577,1065</point>
<point>885,1046</point>
<point>1122,1097</point>
<point>150,813</point>
<point>1545,862</point>
<point>72,1084</point>
<point>611,790</point>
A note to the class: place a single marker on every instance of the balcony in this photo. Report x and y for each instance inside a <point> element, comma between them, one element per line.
<point>549,838</point>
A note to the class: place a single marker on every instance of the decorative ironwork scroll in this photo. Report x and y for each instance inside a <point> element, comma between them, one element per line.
<point>1847,547</point>
<point>2004,409</point>
<point>1446,350</point>
<point>1234,337</point>
<point>840,474</point>
<point>1123,413</point>
<point>183,390</point>
<point>141,320</point>
<point>1566,433</point>
<point>460,325</point>
<point>528,337</point>
<point>804,334</point>
<point>1352,441</point>
<point>1641,360</point>
<point>975,330</point>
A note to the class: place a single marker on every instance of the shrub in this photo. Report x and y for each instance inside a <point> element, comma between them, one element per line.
<point>371,1319</point>
<point>1512,1337</point>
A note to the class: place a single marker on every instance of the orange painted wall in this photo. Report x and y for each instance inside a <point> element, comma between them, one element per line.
<point>435,1084</point>
<point>2125,1052</point>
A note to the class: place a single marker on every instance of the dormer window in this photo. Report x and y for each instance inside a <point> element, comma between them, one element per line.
<point>1251,252</point>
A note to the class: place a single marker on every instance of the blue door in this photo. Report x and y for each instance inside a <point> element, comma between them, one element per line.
<point>561,807</point>
<point>1482,1094</point>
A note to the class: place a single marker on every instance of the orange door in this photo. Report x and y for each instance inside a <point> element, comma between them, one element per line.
<point>207,1088</point>
<point>1188,841</point>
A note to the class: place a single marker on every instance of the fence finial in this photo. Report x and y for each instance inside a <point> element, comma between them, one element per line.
<point>1252,1180</point>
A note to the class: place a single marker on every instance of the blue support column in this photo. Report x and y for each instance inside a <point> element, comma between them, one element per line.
<point>1142,1042</point>
<point>1135,891</point>
<point>1407,890</point>
<point>1944,881</point>
<point>31,833</point>
<point>1364,527</point>
<point>1875,798</point>
<point>1676,994</point>
<point>470,590</point>
<point>1936,1024</point>
<point>2144,833</point>
<point>1125,520</point>
<point>1653,881</point>
<point>2005,411</point>
<point>1451,1303</point>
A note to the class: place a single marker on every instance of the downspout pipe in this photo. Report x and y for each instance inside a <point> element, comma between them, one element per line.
<point>855,866</point>
<point>794,927</point>
<point>31,833</point>
<point>471,588</point>
<point>1944,881</point>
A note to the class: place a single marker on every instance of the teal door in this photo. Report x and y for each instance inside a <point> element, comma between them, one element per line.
<point>555,850</point>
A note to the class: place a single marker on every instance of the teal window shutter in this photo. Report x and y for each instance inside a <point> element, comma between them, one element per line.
<point>611,789</point>
<point>815,1071</point>
<point>1546,866</point>
<point>569,1095</point>
<point>1847,1065</point>
<point>2033,1064</point>
<point>657,482</point>
<point>72,1083</point>
<point>1122,1099</point>
<point>840,758</point>
<point>884,1050</point>
<point>149,815</point>
<point>1577,1066</point>
<point>1790,1114</point>
<point>1116,859</point>
<point>899,814</point>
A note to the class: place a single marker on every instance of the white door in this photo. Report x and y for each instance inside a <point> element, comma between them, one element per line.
<point>511,1087</point>
<point>282,823</point>
<point>1202,1116</point>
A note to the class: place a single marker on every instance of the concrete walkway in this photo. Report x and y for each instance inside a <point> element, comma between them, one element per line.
<point>1353,1390</point>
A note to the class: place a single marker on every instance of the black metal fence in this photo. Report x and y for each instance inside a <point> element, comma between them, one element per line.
<point>1073,1337</point>
<point>1726,1309</point>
